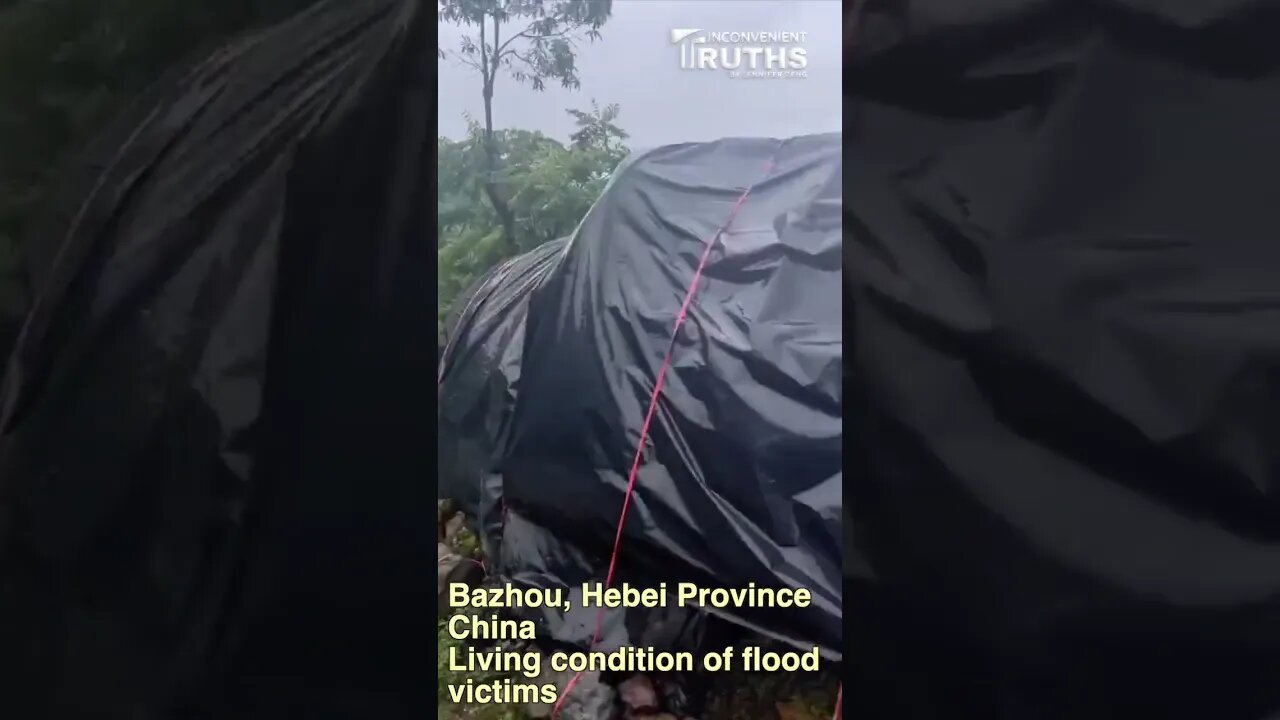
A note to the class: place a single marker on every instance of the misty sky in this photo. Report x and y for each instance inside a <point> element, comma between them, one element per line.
<point>636,66</point>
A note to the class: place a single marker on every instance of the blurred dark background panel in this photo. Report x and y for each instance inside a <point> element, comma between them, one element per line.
<point>1063,272</point>
<point>67,69</point>
<point>214,499</point>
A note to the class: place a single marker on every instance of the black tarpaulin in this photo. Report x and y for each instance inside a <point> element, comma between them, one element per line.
<point>213,497</point>
<point>549,370</point>
<point>1063,278</point>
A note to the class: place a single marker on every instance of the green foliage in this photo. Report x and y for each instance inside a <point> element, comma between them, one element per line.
<point>467,545</point>
<point>596,127</point>
<point>534,41</point>
<point>551,188</point>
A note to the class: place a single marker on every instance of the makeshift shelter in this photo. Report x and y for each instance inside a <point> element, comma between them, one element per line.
<point>707,275</point>
<point>213,495</point>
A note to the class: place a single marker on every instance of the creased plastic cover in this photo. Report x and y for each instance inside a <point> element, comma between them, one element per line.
<point>212,496</point>
<point>548,373</point>
<point>1063,270</point>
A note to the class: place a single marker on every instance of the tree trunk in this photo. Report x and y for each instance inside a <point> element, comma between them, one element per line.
<point>489,75</point>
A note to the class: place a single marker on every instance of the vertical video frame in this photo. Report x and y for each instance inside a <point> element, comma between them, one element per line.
<point>640,360</point>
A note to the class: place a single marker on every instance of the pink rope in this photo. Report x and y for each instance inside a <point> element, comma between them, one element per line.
<point>658,384</point>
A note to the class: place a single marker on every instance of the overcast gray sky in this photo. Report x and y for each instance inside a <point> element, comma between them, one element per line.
<point>636,65</point>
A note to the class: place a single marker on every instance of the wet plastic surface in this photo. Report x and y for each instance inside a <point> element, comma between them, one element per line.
<point>548,376</point>
<point>1063,268</point>
<point>211,474</point>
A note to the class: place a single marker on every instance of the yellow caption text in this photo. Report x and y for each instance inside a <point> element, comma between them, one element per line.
<point>477,656</point>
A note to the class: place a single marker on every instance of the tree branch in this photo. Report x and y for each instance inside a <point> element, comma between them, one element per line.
<point>469,62</point>
<point>523,58</point>
<point>484,47</point>
<point>525,34</point>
